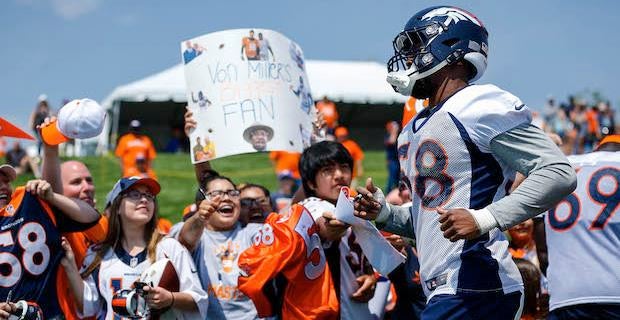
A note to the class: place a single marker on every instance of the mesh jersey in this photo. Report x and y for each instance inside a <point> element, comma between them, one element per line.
<point>445,155</point>
<point>30,252</point>
<point>289,244</point>
<point>119,270</point>
<point>583,235</point>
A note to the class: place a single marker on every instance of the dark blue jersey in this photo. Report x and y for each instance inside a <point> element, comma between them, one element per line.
<point>30,252</point>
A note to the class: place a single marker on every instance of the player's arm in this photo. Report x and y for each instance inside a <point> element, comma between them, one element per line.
<point>549,176</point>
<point>392,218</point>
<point>75,209</point>
<point>540,238</point>
<point>6,309</point>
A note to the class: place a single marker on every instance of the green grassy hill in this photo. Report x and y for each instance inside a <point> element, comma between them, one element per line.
<point>176,175</point>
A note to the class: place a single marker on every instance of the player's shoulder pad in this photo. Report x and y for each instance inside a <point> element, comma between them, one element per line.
<point>475,101</point>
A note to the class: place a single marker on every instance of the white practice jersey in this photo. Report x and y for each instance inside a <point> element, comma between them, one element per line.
<point>119,270</point>
<point>583,235</point>
<point>445,155</point>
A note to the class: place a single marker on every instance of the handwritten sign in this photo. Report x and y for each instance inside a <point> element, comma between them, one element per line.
<point>248,91</point>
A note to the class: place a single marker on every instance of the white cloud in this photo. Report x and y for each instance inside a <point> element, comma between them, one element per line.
<point>71,9</point>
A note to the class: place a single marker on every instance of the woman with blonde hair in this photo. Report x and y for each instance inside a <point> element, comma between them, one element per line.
<point>131,245</point>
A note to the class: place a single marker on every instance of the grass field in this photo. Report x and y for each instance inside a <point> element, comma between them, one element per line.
<point>176,175</point>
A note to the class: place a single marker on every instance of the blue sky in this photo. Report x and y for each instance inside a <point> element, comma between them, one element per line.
<point>85,48</point>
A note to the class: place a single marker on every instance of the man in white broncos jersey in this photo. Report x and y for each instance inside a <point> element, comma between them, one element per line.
<point>459,157</point>
<point>582,245</point>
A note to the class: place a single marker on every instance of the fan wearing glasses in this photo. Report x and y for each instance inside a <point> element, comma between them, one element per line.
<point>131,245</point>
<point>255,203</point>
<point>216,237</point>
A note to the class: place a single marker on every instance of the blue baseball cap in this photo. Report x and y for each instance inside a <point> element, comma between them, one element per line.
<point>125,183</point>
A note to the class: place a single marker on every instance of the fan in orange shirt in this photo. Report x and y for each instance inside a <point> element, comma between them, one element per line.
<point>136,152</point>
<point>289,245</point>
<point>250,46</point>
<point>330,114</point>
<point>412,107</point>
<point>342,136</point>
<point>285,161</point>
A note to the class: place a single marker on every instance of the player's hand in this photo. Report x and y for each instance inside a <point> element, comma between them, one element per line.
<point>458,224</point>
<point>207,207</point>
<point>68,260</point>
<point>190,122</point>
<point>331,228</point>
<point>366,290</point>
<point>367,207</point>
<point>40,188</point>
<point>158,297</point>
<point>6,309</point>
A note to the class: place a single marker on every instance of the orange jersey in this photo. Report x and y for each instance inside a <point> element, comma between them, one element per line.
<point>329,112</point>
<point>286,161</point>
<point>251,47</point>
<point>131,147</point>
<point>356,153</point>
<point>411,108</point>
<point>289,245</point>
<point>79,241</point>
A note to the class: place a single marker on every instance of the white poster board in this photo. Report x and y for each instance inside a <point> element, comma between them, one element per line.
<point>248,91</point>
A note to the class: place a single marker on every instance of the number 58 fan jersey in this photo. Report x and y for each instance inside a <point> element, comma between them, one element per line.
<point>30,252</point>
<point>446,157</point>
<point>289,244</point>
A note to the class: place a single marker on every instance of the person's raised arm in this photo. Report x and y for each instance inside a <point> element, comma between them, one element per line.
<point>73,275</point>
<point>190,125</point>
<point>192,229</point>
<point>50,171</point>
<point>75,209</point>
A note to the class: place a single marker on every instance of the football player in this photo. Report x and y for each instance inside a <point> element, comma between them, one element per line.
<point>459,155</point>
<point>581,236</point>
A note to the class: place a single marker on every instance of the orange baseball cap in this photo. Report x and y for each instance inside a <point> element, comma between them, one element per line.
<point>612,138</point>
<point>7,129</point>
<point>341,131</point>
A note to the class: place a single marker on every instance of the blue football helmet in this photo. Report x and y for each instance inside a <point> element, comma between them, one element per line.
<point>432,39</point>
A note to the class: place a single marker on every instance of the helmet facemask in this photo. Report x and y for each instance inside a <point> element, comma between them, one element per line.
<point>411,55</point>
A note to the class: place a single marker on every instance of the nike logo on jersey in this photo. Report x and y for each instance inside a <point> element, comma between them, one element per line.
<point>520,107</point>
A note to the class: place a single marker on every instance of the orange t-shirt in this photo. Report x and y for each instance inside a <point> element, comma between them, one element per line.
<point>289,245</point>
<point>356,153</point>
<point>130,147</point>
<point>286,161</point>
<point>251,47</point>
<point>411,108</point>
<point>330,114</point>
<point>79,242</point>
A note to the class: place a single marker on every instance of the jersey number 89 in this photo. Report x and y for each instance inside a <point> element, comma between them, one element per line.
<point>608,200</point>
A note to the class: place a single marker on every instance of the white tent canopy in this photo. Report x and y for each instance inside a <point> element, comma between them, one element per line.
<point>358,82</point>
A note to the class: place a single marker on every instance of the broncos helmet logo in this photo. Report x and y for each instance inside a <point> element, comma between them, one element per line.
<point>453,15</point>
